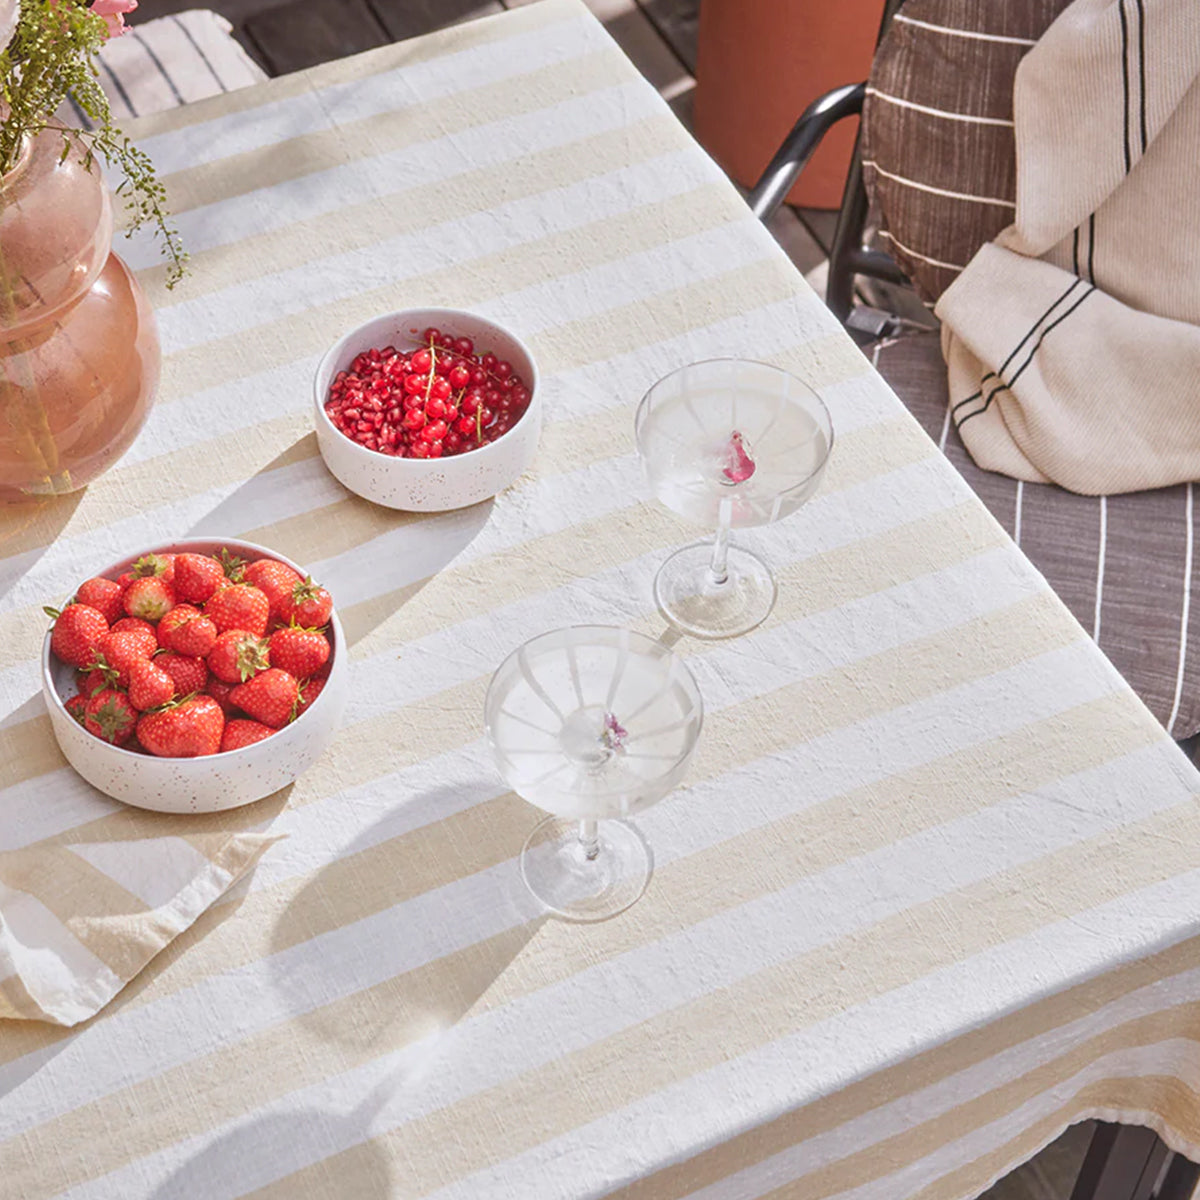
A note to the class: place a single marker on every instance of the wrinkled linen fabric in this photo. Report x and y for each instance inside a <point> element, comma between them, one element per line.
<point>1073,340</point>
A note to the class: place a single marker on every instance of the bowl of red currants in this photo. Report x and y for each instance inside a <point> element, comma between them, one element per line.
<point>427,409</point>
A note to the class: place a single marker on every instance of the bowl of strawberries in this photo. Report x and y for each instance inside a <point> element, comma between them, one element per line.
<point>427,409</point>
<point>195,677</point>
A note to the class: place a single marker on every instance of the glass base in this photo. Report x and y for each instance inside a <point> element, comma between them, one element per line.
<point>692,602</point>
<point>559,873</point>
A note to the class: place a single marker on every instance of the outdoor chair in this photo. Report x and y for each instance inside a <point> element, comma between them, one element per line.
<point>933,178</point>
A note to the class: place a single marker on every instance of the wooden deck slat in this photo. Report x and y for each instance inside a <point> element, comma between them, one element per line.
<point>306,32</point>
<point>411,18</point>
<point>678,22</point>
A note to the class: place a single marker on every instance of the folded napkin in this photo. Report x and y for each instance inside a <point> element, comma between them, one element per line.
<point>83,910</point>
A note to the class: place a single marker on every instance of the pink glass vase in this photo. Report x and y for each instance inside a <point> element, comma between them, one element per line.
<point>79,352</point>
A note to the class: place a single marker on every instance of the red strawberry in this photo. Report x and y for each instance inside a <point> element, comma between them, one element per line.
<point>270,697</point>
<point>219,691</point>
<point>171,621</point>
<point>118,652</point>
<point>237,656</point>
<point>150,598</point>
<point>184,729</point>
<point>77,707</point>
<point>149,685</point>
<point>187,630</point>
<point>308,605</point>
<point>300,652</point>
<point>239,606</point>
<point>104,595</point>
<point>197,576</point>
<point>195,637</point>
<point>110,716</point>
<point>231,565</point>
<point>150,566</point>
<point>239,733</point>
<point>274,579</point>
<point>143,629</point>
<point>190,674</point>
<point>310,689</point>
<point>77,631</point>
<point>96,681</point>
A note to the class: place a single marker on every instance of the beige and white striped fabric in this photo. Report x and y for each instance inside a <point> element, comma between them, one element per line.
<point>931,892</point>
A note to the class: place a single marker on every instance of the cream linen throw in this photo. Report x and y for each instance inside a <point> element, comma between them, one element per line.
<point>1073,340</point>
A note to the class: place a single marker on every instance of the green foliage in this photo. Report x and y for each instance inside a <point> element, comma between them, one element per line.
<point>52,57</point>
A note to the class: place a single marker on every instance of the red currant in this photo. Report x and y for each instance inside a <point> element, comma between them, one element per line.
<point>459,377</point>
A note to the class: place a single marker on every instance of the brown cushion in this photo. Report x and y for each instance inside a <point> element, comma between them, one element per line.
<point>939,156</point>
<point>1139,598</point>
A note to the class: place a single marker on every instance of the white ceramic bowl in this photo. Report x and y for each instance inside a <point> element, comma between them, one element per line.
<point>216,781</point>
<point>428,485</point>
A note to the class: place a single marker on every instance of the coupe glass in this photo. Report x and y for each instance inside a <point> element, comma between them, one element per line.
<point>728,443</point>
<point>591,724</point>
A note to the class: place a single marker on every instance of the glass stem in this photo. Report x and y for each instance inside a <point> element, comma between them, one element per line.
<point>589,839</point>
<point>718,567</point>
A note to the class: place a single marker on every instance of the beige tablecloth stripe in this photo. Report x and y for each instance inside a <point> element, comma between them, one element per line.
<point>795,985</point>
<point>415,208</point>
<point>541,1103</point>
<point>26,752</point>
<point>923,1071</point>
<point>376,878</point>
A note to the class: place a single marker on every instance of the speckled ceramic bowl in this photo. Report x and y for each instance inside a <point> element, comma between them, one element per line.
<point>428,485</point>
<point>216,781</point>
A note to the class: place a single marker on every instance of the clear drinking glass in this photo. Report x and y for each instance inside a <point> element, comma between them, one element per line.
<point>591,723</point>
<point>728,443</point>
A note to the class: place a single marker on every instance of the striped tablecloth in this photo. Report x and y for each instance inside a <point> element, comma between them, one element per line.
<point>932,891</point>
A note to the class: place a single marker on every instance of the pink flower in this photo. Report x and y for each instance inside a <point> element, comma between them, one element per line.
<point>113,12</point>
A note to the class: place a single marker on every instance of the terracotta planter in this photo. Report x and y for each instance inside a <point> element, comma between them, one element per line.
<point>79,352</point>
<point>760,62</point>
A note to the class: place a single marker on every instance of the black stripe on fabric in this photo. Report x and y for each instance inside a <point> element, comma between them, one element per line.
<point>187,33</point>
<point>1020,345</point>
<point>1032,355</point>
<point>124,95</point>
<point>1075,251</point>
<point>1125,79</point>
<point>141,41</point>
<point>1091,271</point>
<point>1142,72</point>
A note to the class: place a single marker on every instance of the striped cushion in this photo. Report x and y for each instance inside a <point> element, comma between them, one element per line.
<point>1122,564</point>
<point>173,60</point>
<point>938,146</point>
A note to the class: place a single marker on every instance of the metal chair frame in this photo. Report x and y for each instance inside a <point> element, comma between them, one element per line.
<point>1122,1162</point>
